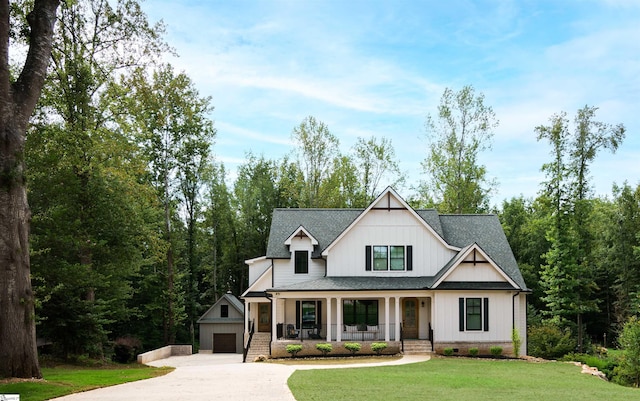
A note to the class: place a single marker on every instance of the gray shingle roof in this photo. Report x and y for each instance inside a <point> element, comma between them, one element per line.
<point>327,224</point>
<point>360,284</point>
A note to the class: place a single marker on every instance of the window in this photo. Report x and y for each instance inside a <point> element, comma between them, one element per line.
<point>224,310</point>
<point>380,258</point>
<point>302,262</point>
<point>308,314</point>
<point>360,311</point>
<point>474,314</point>
<point>389,258</point>
<point>397,257</point>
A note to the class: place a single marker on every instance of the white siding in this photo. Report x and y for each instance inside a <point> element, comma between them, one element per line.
<point>446,319</point>
<point>257,269</point>
<point>284,269</point>
<point>382,227</point>
<point>478,272</point>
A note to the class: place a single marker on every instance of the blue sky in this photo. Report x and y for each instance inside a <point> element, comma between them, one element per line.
<point>377,68</point>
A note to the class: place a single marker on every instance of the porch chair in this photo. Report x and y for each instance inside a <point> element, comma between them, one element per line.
<point>314,334</point>
<point>292,332</point>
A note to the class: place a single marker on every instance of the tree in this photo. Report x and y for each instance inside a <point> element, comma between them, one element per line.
<point>170,121</point>
<point>461,130</point>
<point>317,150</point>
<point>568,277</point>
<point>375,159</point>
<point>18,99</point>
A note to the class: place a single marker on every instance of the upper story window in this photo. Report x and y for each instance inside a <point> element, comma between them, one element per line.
<point>389,258</point>
<point>301,262</point>
<point>224,310</point>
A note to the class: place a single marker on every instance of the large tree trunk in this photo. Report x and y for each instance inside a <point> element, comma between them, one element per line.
<point>18,352</point>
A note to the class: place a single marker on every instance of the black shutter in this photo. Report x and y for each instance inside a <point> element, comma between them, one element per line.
<point>319,314</point>
<point>298,314</point>
<point>409,257</point>
<point>461,308</point>
<point>486,314</point>
<point>367,257</point>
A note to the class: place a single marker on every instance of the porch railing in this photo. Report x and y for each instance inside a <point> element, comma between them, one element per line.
<point>363,333</point>
<point>245,350</point>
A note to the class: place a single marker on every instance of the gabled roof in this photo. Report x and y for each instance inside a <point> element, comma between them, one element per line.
<point>301,232</point>
<point>458,232</point>
<point>231,300</point>
<point>389,196</point>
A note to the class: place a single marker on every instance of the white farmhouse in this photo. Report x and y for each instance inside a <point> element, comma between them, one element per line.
<point>415,279</point>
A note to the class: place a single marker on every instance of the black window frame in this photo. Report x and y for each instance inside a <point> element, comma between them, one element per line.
<point>361,312</point>
<point>301,262</point>
<point>224,310</point>
<point>374,261</point>
<point>479,310</point>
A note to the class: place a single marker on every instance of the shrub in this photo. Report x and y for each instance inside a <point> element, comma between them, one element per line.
<point>605,365</point>
<point>293,349</point>
<point>378,347</point>
<point>125,349</point>
<point>353,347</point>
<point>448,351</point>
<point>325,348</point>
<point>473,351</point>
<point>630,344</point>
<point>549,341</point>
<point>517,342</point>
<point>495,350</point>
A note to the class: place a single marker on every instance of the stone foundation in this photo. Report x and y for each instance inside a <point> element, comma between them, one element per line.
<point>483,347</point>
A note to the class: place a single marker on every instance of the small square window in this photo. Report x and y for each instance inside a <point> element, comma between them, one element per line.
<point>224,310</point>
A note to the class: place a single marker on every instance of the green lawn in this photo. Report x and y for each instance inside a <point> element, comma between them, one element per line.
<point>61,381</point>
<point>457,379</point>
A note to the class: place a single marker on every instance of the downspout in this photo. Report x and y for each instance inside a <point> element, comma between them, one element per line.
<point>513,313</point>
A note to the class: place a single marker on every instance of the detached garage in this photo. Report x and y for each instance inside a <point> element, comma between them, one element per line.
<point>222,326</point>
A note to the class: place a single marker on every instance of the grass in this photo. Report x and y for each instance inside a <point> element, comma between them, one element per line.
<point>457,379</point>
<point>64,380</point>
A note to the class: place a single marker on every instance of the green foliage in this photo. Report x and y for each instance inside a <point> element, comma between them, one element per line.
<point>606,365</point>
<point>495,350</point>
<point>473,351</point>
<point>325,348</point>
<point>448,351</point>
<point>461,130</point>
<point>630,344</point>
<point>293,349</point>
<point>126,349</point>
<point>549,341</point>
<point>378,347</point>
<point>516,341</point>
<point>353,347</point>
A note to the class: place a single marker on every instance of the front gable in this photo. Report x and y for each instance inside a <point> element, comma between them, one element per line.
<point>228,309</point>
<point>389,226</point>
<point>473,265</point>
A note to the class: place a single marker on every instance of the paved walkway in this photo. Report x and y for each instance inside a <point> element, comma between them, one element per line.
<point>205,377</point>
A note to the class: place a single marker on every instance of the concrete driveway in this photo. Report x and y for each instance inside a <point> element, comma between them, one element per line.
<point>215,376</point>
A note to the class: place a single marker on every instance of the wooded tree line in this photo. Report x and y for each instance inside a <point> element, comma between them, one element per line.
<point>136,228</point>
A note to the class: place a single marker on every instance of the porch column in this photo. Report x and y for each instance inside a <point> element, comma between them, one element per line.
<point>328,318</point>
<point>397,301</point>
<point>338,319</point>
<point>246,317</point>
<point>386,318</point>
<point>274,332</point>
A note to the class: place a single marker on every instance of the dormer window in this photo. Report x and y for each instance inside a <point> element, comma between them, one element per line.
<point>301,261</point>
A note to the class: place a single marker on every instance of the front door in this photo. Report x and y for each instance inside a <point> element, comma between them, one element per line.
<point>264,317</point>
<point>410,318</point>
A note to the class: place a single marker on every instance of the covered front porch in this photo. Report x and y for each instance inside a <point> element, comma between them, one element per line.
<point>357,316</point>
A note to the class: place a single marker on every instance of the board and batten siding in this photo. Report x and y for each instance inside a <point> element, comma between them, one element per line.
<point>477,272</point>
<point>382,227</point>
<point>446,320</point>
<point>208,329</point>
<point>284,269</point>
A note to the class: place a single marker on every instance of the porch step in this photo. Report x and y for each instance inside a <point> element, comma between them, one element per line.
<point>417,347</point>
<point>259,346</point>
